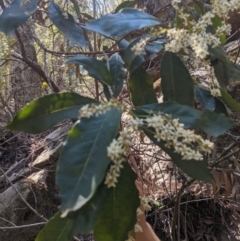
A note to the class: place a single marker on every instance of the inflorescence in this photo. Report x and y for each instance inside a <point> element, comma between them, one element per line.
<point>184,142</point>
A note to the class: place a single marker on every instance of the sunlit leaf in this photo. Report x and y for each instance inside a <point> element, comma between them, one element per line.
<point>177,84</point>
<point>96,68</point>
<point>125,21</point>
<point>118,215</point>
<point>66,24</point>
<point>16,14</point>
<point>228,99</point>
<point>83,161</point>
<point>45,112</point>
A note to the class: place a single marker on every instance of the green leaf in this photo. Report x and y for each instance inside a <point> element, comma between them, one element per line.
<point>155,47</point>
<point>210,122</point>
<point>125,21</point>
<point>177,84</point>
<point>234,71</point>
<point>118,215</point>
<point>56,229</point>
<point>84,161</point>
<point>132,60</point>
<point>220,63</point>
<point>216,23</point>
<point>204,97</point>
<point>125,4</point>
<point>86,217</point>
<point>227,98</point>
<point>220,107</point>
<point>141,88</point>
<point>118,73</point>
<point>96,68</point>
<point>195,169</point>
<point>16,14</point>
<point>45,112</point>
<point>66,25</point>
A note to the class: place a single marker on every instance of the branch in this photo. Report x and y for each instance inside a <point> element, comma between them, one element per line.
<point>22,198</point>
<point>23,226</point>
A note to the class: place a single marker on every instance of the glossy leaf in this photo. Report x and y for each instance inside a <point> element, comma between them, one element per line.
<point>45,112</point>
<point>86,217</point>
<point>16,14</point>
<point>228,99</point>
<point>177,84</point>
<point>118,215</point>
<point>56,229</point>
<point>141,88</point>
<point>132,60</point>
<point>210,122</point>
<point>84,161</point>
<point>96,68</point>
<point>205,99</point>
<point>118,73</point>
<point>66,25</point>
<point>125,21</point>
<point>195,169</point>
<point>125,4</point>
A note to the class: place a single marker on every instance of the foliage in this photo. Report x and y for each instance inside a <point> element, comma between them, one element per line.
<point>94,155</point>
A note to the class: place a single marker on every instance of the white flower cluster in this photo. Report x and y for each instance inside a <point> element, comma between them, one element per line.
<point>195,35</point>
<point>89,110</point>
<point>138,48</point>
<point>115,152</point>
<point>184,142</point>
<point>223,7</point>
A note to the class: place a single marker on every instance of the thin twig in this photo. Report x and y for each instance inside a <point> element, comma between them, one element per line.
<point>23,226</point>
<point>22,198</point>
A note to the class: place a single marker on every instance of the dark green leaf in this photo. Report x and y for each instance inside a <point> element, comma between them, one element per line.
<point>195,169</point>
<point>106,91</point>
<point>86,218</point>
<point>83,161</point>
<point>205,99</point>
<point>141,88</point>
<point>125,4</point>
<point>43,113</point>
<point>118,73</point>
<point>118,215</point>
<point>234,71</point>
<point>96,68</point>
<point>56,229</point>
<point>210,122</point>
<point>132,60</point>
<point>66,25</point>
<point>220,63</point>
<point>227,98</point>
<point>16,14</point>
<point>125,21</point>
<point>177,84</point>
<point>220,107</point>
